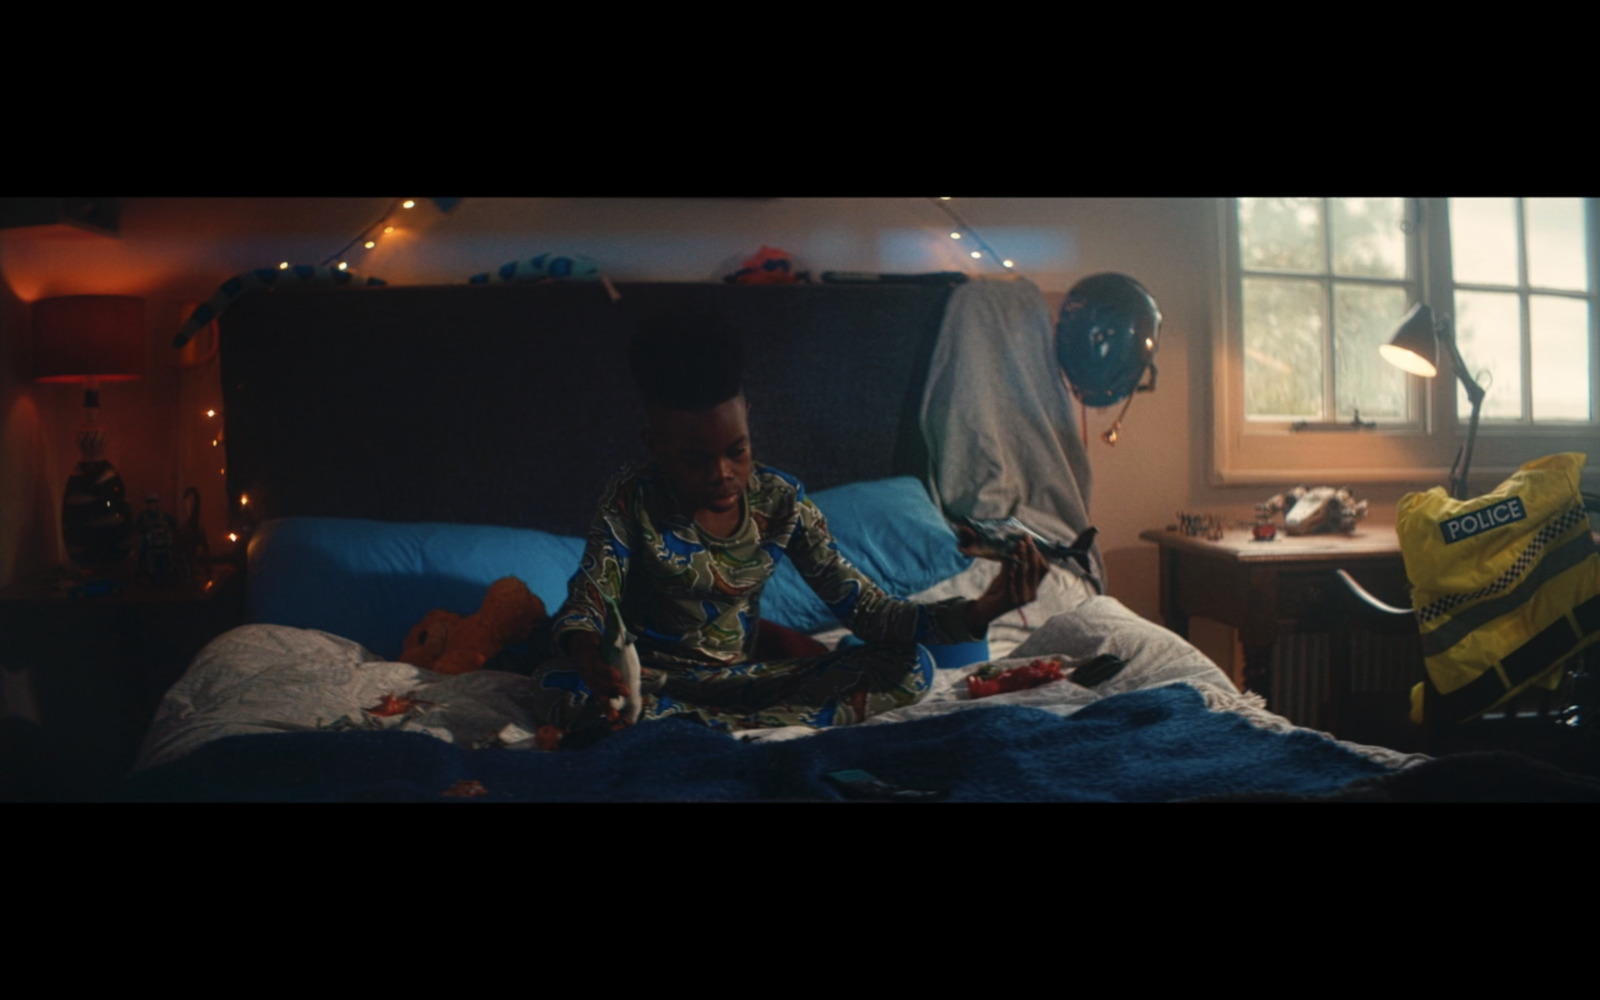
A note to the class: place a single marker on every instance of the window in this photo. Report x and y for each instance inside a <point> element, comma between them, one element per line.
<point>1323,281</point>
<point>1523,305</point>
<point>1312,286</point>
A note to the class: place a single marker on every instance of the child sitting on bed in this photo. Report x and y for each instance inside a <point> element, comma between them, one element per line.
<point>684,544</point>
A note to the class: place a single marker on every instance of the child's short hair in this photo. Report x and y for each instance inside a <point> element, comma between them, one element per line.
<point>686,359</point>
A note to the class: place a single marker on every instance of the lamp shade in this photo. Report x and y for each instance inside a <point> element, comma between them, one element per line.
<point>77,337</point>
<point>1414,347</point>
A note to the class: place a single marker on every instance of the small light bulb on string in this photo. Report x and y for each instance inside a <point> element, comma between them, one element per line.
<point>211,413</point>
<point>244,500</point>
<point>233,536</point>
<point>283,266</point>
<point>368,237</point>
<point>966,230</point>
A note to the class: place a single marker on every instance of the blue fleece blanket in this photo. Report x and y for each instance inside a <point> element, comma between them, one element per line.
<point>1152,745</point>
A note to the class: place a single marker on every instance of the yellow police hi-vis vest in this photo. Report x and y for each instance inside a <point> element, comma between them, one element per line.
<point>1506,586</point>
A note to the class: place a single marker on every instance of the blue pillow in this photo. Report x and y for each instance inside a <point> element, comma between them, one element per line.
<point>371,581</point>
<point>889,529</point>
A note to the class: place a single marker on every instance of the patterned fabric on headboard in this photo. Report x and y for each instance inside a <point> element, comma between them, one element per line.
<point>512,404</point>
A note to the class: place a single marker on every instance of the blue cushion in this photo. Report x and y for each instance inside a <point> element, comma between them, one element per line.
<point>889,529</point>
<point>371,581</point>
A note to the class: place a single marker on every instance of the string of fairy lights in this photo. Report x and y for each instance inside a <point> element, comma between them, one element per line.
<point>388,224</point>
<point>965,230</point>
<point>392,221</point>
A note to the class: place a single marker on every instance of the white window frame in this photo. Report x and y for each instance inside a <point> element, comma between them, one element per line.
<point>1258,452</point>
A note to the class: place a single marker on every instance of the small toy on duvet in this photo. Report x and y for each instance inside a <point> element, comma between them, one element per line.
<point>991,679</point>
<point>395,704</point>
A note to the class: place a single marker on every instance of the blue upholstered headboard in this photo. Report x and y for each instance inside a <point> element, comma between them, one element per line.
<point>511,404</point>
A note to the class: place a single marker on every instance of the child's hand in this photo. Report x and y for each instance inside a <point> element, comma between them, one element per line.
<point>602,680</point>
<point>1017,584</point>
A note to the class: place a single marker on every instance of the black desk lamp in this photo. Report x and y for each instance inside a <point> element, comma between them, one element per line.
<point>1414,348</point>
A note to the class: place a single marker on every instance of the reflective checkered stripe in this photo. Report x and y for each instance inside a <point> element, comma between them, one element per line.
<point>1516,574</point>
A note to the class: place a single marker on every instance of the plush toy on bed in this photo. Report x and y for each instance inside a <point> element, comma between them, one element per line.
<point>447,643</point>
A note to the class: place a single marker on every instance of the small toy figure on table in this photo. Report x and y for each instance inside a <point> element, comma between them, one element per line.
<point>157,565</point>
<point>1207,526</point>
<point>1264,530</point>
<point>192,555</point>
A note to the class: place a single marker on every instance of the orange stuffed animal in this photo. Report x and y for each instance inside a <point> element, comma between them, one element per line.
<point>447,643</point>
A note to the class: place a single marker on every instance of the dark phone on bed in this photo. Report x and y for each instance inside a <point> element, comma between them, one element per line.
<point>1098,670</point>
<point>856,784</point>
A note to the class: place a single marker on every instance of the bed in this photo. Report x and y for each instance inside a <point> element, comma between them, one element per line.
<point>402,447</point>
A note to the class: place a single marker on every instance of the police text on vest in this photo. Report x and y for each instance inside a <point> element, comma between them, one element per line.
<point>1465,526</point>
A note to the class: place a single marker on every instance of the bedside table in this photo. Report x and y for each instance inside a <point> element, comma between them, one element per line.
<point>98,665</point>
<point>1265,589</point>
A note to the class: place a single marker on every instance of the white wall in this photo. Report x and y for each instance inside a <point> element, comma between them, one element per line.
<point>174,251</point>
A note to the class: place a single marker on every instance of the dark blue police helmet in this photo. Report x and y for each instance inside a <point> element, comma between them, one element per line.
<point>1106,336</point>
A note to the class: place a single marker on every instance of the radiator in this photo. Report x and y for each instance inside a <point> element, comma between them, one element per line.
<point>1378,664</point>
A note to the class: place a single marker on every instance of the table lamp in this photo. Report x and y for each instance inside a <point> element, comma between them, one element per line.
<point>91,339</point>
<point>1414,348</point>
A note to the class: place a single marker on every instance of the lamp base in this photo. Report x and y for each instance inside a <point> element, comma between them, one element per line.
<point>96,521</point>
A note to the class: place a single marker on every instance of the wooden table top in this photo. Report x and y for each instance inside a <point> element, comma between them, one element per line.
<point>1368,541</point>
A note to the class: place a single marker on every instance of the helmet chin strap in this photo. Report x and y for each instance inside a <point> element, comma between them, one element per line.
<point>1110,436</point>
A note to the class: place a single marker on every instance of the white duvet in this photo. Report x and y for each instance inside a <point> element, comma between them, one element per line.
<point>274,678</point>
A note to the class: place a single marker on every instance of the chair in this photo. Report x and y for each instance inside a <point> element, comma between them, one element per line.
<point>1561,726</point>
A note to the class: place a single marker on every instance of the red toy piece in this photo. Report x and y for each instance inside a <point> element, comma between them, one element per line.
<point>991,680</point>
<point>769,266</point>
<point>466,788</point>
<point>395,704</point>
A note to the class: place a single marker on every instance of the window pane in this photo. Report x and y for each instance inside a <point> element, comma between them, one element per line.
<point>1366,236</point>
<point>1363,318</point>
<point>1483,240</point>
<point>1560,338</point>
<point>1281,234</point>
<point>1489,335</point>
<point>1282,348</point>
<point>1558,255</point>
